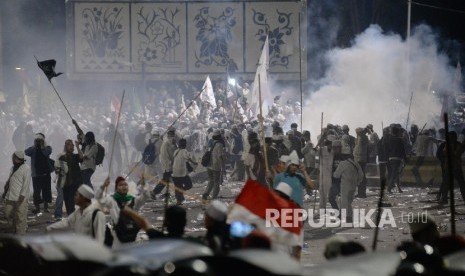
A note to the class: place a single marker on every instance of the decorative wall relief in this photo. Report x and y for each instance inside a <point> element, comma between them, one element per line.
<point>183,39</point>
<point>102,37</point>
<point>214,35</point>
<point>159,36</point>
<point>281,24</point>
<point>275,35</point>
<point>214,38</point>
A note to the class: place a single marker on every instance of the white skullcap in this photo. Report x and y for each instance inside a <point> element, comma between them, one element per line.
<point>284,158</point>
<point>293,159</point>
<point>86,191</point>
<point>284,188</point>
<point>19,154</point>
<point>217,210</point>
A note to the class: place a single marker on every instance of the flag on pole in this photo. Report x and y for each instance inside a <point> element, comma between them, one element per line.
<point>48,67</point>
<point>114,107</point>
<point>208,95</point>
<point>262,70</point>
<point>251,206</point>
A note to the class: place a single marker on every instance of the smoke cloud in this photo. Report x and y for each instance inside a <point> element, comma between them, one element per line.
<point>372,82</point>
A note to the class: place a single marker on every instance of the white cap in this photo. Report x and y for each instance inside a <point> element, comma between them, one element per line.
<point>217,210</point>
<point>19,154</point>
<point>284,188</point>
<point>284,158</point>
<point>86,191</point>
<point>293,159</point>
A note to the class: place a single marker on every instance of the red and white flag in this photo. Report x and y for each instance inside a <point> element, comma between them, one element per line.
<point>255,202</point>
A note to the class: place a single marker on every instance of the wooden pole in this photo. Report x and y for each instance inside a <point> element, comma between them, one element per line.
<point>116,134</point>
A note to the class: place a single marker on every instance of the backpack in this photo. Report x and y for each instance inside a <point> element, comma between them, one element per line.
<point>100,154</point>
<point>126,228</point>
<point>149,155</point>
<point>108,237</point>
<point>139,141</point>
<point>237,144</point>
<point>207,156</point>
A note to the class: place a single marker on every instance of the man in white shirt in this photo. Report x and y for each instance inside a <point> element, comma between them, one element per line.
<point>16,194</point>
<point>83,220</point>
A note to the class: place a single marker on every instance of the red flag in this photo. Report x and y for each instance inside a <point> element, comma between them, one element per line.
<point>253,205</point>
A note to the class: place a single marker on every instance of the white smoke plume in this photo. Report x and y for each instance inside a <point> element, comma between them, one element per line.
<point>368,82</point>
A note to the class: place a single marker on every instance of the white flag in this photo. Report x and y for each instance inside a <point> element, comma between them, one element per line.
<point>208,95</point>
<point>262,71</point>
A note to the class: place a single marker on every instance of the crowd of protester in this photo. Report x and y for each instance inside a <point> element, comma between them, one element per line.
<point>241,146</point>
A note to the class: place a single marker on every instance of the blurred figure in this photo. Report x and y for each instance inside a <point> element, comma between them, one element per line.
<point>116,201</point>
<point>423,148</point>
<point>350,174</point>
<point>16,194</point>
<point>456,150</point>
<point>41,168</point>
<point>69,178</point>
<point>168,147</point>
<point>181,178</point>
<point>351,139</point>
<point>87,153</point>
<point>237,148</point>
<point>217,229</point>
<point>396,154</point>
<point>309,154</point>
<point>255,163</point>
<point>326,157</point>
<point>373,141</point>
<point>153,171</point>
<point>215,167</point>
<point>87,219</point>
<point>361,157</point>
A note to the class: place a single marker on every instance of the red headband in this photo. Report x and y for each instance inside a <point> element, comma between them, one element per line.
<point>119,179</point>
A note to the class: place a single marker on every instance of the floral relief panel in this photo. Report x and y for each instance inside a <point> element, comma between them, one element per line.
<point>215,37</point>
<point>281,23</point>
<point>184,39</point>
<point>159,37</point>
<point>102,40</point>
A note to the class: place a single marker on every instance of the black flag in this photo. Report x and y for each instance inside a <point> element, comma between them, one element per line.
<point>48,66</point>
